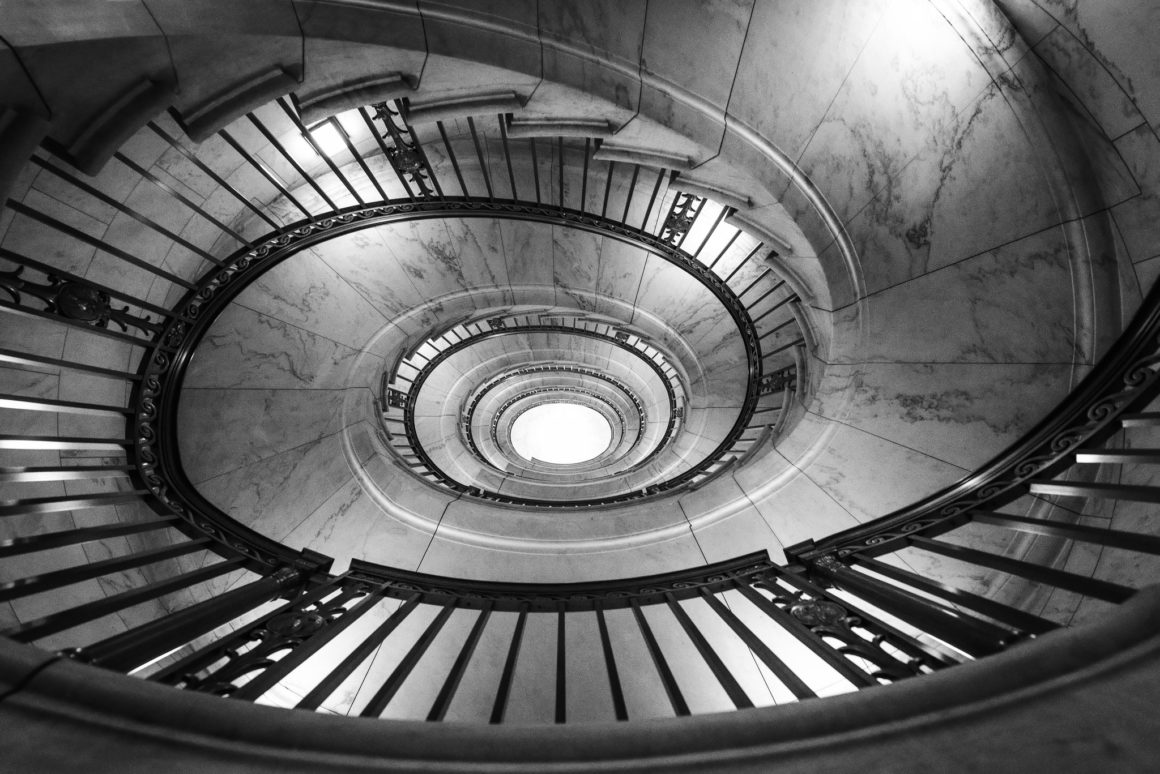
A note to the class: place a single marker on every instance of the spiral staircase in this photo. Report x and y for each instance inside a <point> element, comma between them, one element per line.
<point>861,293</point>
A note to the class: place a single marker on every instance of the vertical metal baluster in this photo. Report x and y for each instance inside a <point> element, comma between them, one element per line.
<point>716,665</point>
<point>672,690</point>
<point>173,193</point>
<point>968,634</point>
<point>383,696</point>
<point>309,138</point>
<point>451,684</point>
<point>66,619</point>
<point>653,199</point>
<point>507,155</point>
<point>724,249</point>
<point>499,709</point>
<point>362,111</point>
<point>265,172</point>
<point>1009,616</point>
<point>35,584</point>
<point>422,151</point>
<point>139,646</point>
<point>374,180</point>
<point>712,230</point>
<point>206,655</point>
<point>631,191</point>
<point>346,667</point>
<point>100,244</point>
<point>779,668</point>
<point>126,209</point>
<point>696,214</point>
<point>560,150</point>
<point>744,261</point>
<point>268,678</point>
<point>561,668</point>
<point>208,171</point>
<point>451,155</point>
<point>479,155</point>
<point>261,127</point>
<point>610,665</point>
<point>607,189</point>
<point>584,175</point>
<point>535,168</point>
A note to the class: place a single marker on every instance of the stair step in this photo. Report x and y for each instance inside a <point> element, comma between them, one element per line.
<point>1120,456</point>
<point>1145,494</point>
<point>1142,419</point>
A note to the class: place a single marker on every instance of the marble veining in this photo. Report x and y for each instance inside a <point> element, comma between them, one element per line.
<point>245,349</point>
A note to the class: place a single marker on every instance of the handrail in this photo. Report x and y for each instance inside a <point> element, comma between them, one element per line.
<point>1089,682</point>
<point>1125,380</point>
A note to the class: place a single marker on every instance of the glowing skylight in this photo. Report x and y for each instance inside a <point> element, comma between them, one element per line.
<point>560,433</point>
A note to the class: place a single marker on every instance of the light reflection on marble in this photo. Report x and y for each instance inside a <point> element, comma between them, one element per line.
<point>963,196</point>
<point>871,130</point>
<point>770,92</point>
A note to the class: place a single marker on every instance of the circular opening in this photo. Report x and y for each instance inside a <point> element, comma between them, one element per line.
<point>560,433</point>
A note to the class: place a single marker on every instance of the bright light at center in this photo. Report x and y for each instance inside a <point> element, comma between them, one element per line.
<point>328,138</point>
<point>560,433</point>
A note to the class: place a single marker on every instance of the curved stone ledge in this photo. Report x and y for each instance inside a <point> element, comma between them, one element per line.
<point>1065,701</point>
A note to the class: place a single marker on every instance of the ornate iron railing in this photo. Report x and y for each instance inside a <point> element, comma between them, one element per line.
<point>1072,476</point>
<point>236,613</point>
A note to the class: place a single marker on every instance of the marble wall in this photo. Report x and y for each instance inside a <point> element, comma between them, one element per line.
<point>979,203</point>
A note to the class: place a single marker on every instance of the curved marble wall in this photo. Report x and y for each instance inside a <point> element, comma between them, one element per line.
<point>967,268</point>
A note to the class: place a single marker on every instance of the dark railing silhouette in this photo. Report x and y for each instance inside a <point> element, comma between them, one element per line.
<point>840,615</point>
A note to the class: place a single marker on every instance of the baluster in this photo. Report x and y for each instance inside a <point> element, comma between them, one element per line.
<point>395,681</point>
<point>969,635</point>
<point>1111,592</point>
<point>779,668</point>
<point>499,709</point>
<point>312,632</point>
<point>809,638</point>
<point>346,667</point>
<point>35,584</point>
<point>561,668</point>
<point>716,665</point>
<point>1004,614</point>
<point>182,671</point>
<point>676,698</point>
<point>90,611</point>
<point>455,676</point>
<point>141,645</point>
<point>618,704</point>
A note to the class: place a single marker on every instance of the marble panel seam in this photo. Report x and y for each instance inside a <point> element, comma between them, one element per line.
<point>888,440</point>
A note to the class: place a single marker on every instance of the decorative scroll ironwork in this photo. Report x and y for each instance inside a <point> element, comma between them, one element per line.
<point>554,389</point>
<point>475,491</point>
<point>484,389</point>
<point>775,382</point>
<point>155,402</point>
<point>396,398</point>
<point>404,152</point>
<point>74,301</point>
<point>253,649</point>
<point>680,217</point>
<point>569,597</point>
<point>859,638</point>
<point>1126,380</point>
